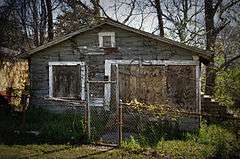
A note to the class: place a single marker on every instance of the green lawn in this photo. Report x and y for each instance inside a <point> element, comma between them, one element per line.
<point>46,151</point>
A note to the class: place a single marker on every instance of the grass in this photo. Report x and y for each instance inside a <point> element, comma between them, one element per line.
<point>212,141</point>
<point>46,151</point>
<point>53,128</point>
<point>186,149</point>
<point>61,132</point>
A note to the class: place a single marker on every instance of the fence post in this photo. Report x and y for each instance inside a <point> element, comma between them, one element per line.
<point>119,106</point>
<point>88,115</point>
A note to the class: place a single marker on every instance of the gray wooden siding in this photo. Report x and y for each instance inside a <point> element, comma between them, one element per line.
<point>130,46</point>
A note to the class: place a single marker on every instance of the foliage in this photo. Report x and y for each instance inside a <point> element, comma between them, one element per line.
<point>227,90</point>
<point>211,141</point>
<point>70,21</point>
<point>167,130</point>
<point>156,110</point>
<point>52,128</point>
<point>75,15</point>
<point>10,31</point>
<point>132,145</point>
<point>157,122</point>
<point>225,143</point>
<point>56,128</point>
<point>172,148</point>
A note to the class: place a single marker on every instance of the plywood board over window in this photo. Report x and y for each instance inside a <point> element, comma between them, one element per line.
<point>106,39</point>
<point>181,86</point>
<point>146,83</point>
<point>66,81</point>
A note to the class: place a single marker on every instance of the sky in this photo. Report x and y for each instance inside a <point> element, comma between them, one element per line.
<point>149,23</point>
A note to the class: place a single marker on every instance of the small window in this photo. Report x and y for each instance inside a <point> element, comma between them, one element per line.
<point>106,39</point>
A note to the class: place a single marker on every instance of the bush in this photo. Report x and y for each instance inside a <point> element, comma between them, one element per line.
<point>132,145</point>
<point>227,89</point>
<point>225,143</point>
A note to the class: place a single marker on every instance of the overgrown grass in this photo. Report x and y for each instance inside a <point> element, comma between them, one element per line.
<point>212,142</point>
<point>47,151</point>
<point>167,130</point>
<point>52,128</point>
<point>185,149</point>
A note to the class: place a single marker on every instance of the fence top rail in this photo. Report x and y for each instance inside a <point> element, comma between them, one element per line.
<point>101,81</point>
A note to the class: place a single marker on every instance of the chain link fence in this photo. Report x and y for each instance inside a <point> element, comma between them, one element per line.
<point>148,103</point>
<point>64,124</point>
<point>154,99</point>
<point>102,112</point>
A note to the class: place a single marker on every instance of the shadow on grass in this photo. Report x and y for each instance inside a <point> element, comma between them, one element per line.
<point>95,153</point>
<point>51,152</point>
<point>42,127</point>
<point>45,153</point>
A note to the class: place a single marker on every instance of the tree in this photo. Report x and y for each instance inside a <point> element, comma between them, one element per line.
<point>34,17</point>
<point>43,21</point>
<point>76,14</point>
<point>49,19</point>
<point>182,20</point>
<point>214,8</point>
<point>157,5</point>
<point>12,34</point>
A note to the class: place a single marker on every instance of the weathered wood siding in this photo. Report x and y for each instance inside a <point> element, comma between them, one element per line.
<point>129,46</point>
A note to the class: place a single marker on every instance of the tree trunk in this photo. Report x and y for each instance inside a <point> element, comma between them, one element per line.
<point>210,45</point>
<point>159,16</point>
<point>43,22</point>
<point>35,23</point>
<point>50,19</point>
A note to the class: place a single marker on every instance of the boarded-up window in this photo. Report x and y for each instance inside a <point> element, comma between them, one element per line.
<point>107,41</point>
<point>146,84</point>
<point>66,81</point>
<point>181,86</point>
<point>165,85</point>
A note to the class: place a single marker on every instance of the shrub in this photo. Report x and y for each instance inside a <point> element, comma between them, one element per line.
<point>132,145</point>
<point>227,89</point>
<point>224,142</point>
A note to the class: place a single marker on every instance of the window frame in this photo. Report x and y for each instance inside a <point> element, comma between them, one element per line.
<point>102,34</point>
<point>67,63</point>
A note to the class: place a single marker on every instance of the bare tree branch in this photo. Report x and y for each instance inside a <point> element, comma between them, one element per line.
<point>228,63</point>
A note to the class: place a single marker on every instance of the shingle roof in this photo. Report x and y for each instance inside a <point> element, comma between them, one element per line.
<point>206,55</point>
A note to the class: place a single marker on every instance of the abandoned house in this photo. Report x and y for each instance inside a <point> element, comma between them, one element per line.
<point>148,68</point>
